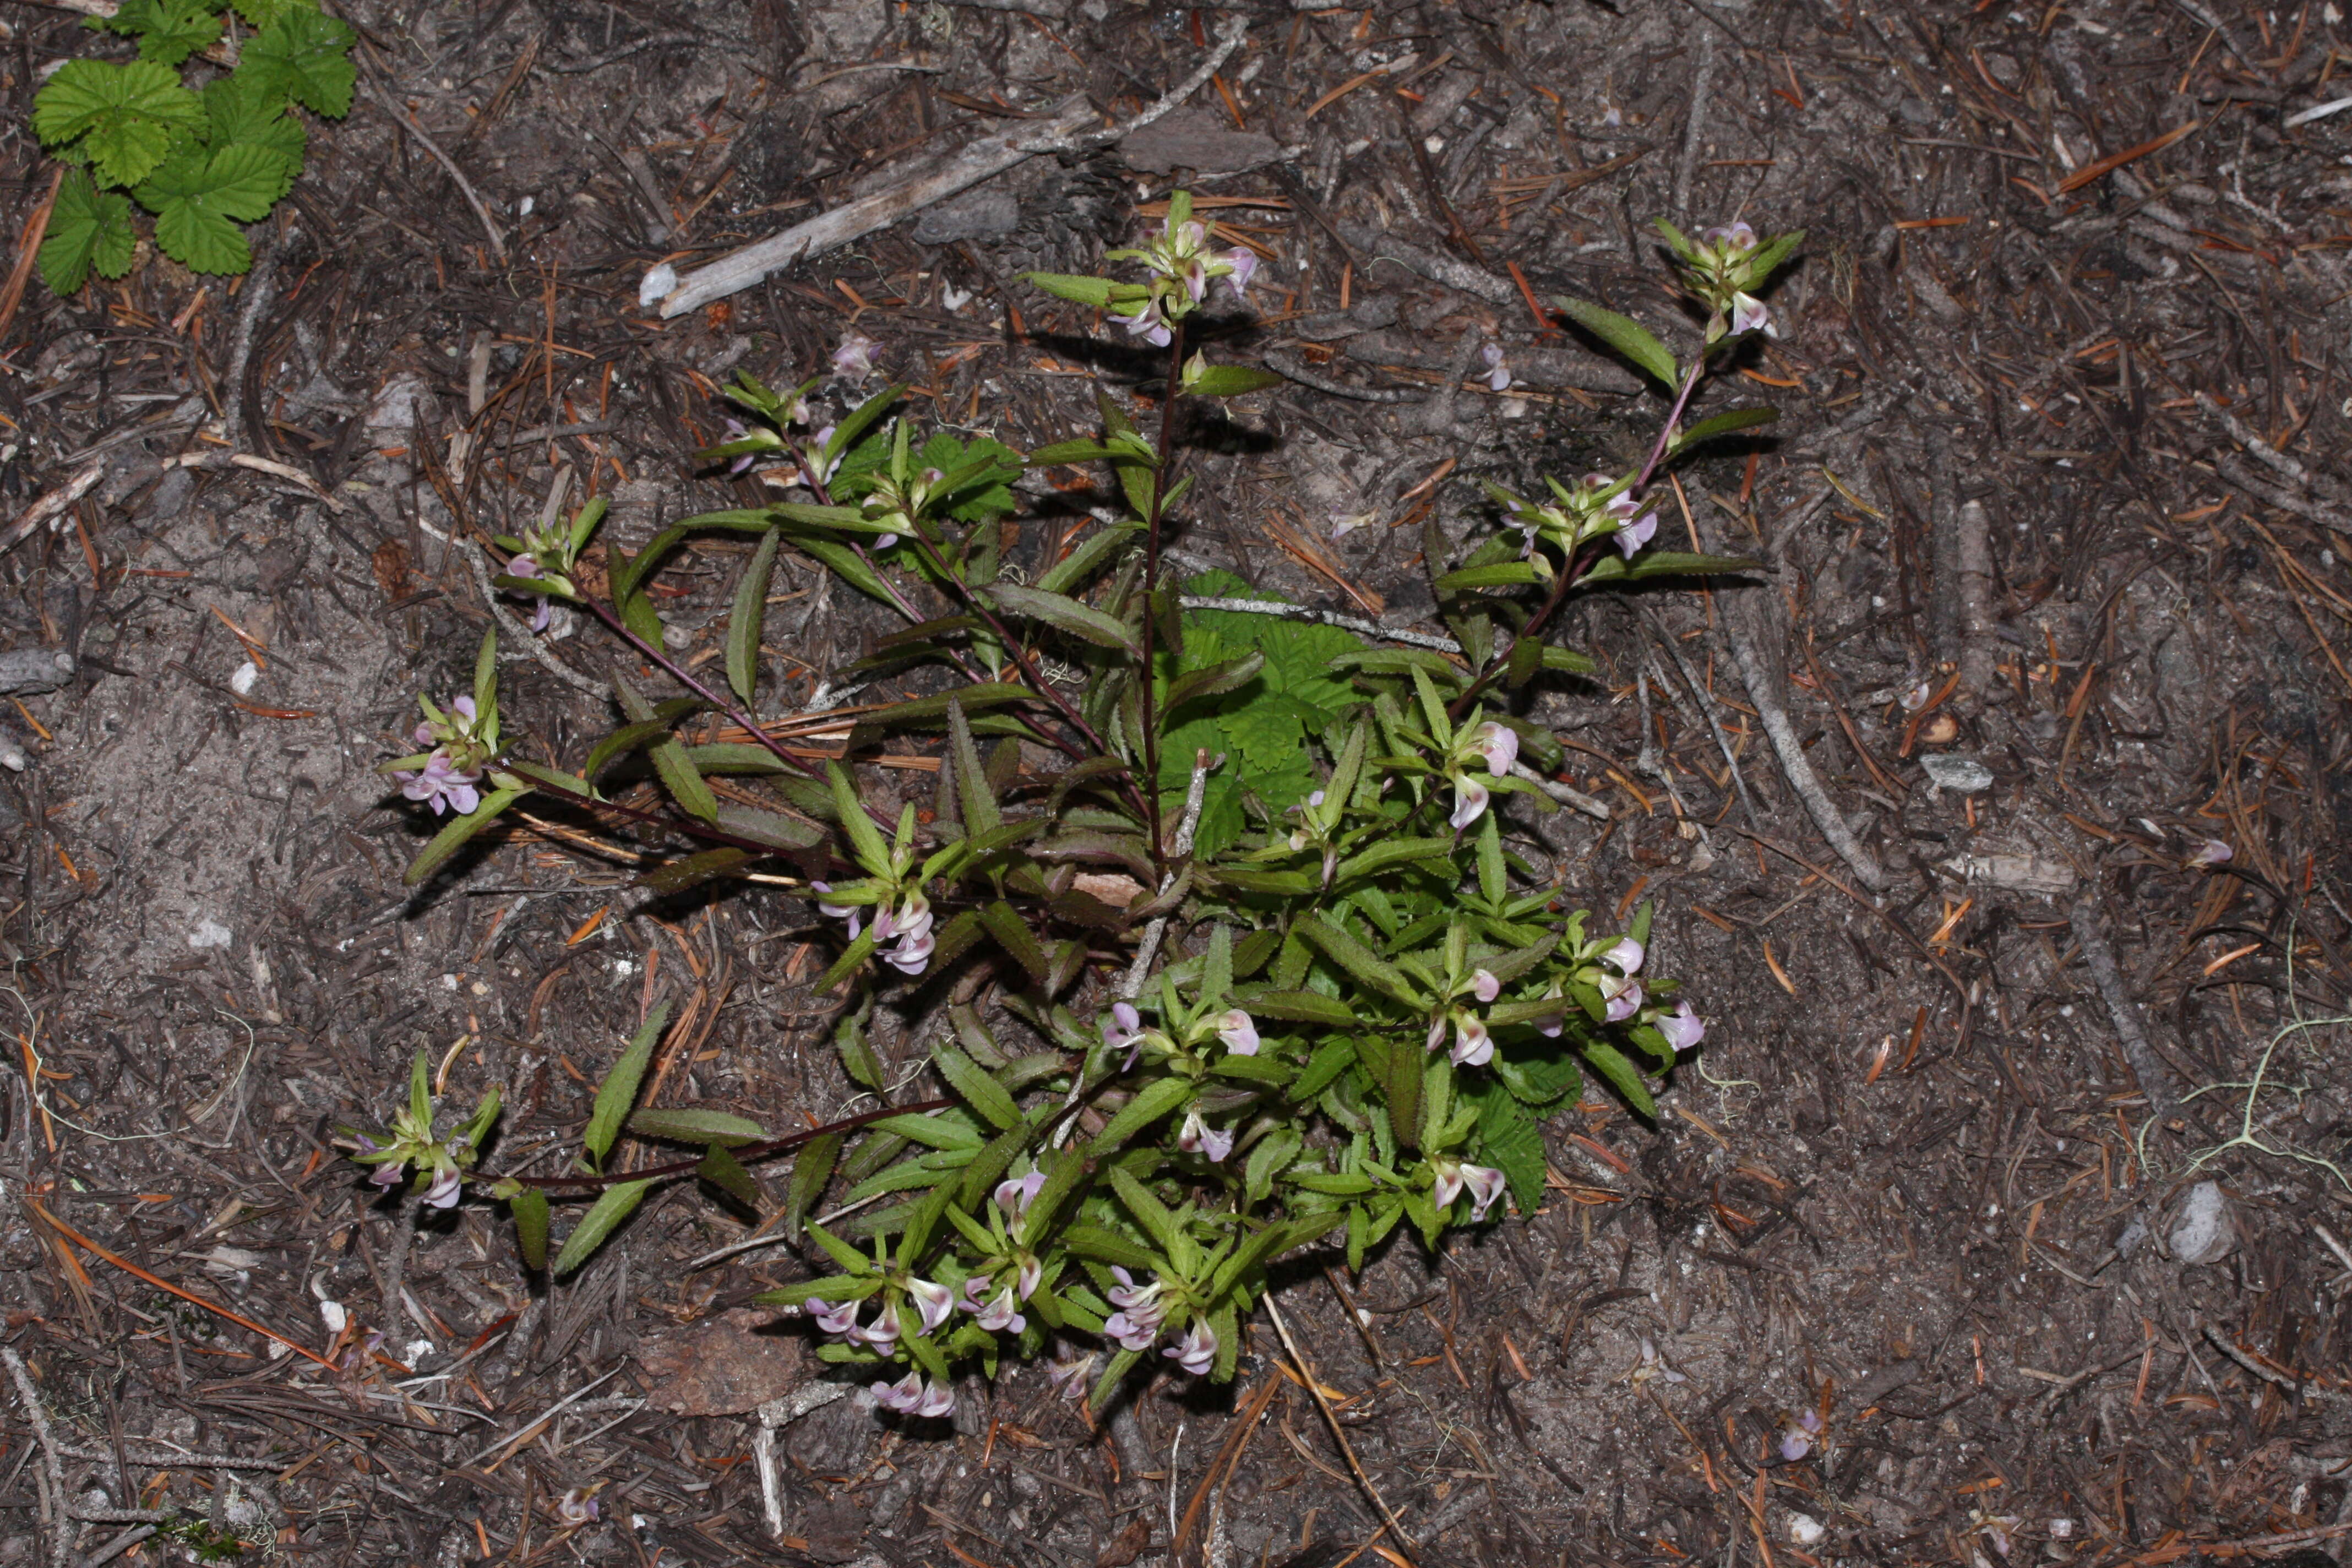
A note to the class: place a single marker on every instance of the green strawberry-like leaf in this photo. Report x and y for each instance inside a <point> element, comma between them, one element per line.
<point>88,229</point>
<point>121,115</point>
<point>194,199</point>
<point>305,55</point>
<point>168,31</point>
<point>239,118</point>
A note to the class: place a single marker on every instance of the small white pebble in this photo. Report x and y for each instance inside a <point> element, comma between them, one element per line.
<point>448,983</point>
<point>1805,1529</point>
<point>2064,1528</point>
<point>658,282</point>
<point>210,932</point>
<point>332,1313</point>
<point>522,207</point>
<point>242,682</point>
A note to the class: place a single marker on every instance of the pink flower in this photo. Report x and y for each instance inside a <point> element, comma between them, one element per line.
<point>1199,1138</point>
<point>1067,1375</point>
<point>1147,324</point>
<point>914,1394</point>
<point>1238,1030</point>
<point>854,356</point>
<point>1124,1029</point>
<point>1632,532</point>
<point>1469,802</point>
<point>577,1508</point>
<point>1748,315</point>
<point>837,912</point>
<point>1484,985</point>
<point>1499,744</point>
<point>1244,262</point>
<point>1002,1314</point>
<point>443,1190</point>
<point>1485,1183</point>
<point>1623,997</point>
<point>1682,1027</point>
<point>1195,1350</point>
<point>838,1319</point>
<point>1498,376</point>
<point>1627,955</point>
<point>882,1333</point>
<point>1473,1045</point>
<point>442,784</point>
<point>1733,238</point>
<point>1015,1194</point>
<point>1031,1276</point>
<point>1137,1323</point>
<point>1798,1435</point>
<point>2212,852</point>
<point>934,1300</point>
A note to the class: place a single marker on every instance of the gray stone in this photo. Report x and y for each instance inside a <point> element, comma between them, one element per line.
<point>1197,140</point>
<point>978,214</point>
<point>1964,775</point>
<point>2202,1229</point>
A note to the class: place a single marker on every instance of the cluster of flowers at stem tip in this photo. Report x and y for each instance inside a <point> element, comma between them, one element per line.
<point>782,417</point>
<point>904,922</point>
<point>1723,268</point>
<point>1597,507</point>
<point>1610,966</point>
<point>541,562</point>
<point>458,743</point>
<point>441,1161</point>
<point>992,1295</point>
<point>1181,266</point>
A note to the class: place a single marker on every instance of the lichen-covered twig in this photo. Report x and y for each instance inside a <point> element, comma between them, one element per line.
<point>2091,936</point>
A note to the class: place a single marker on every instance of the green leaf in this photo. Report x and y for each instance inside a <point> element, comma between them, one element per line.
<point>618,1092</point>
<point>811,1171</point>
<point>199,198</point>
<point>453,838</point>
<point>857,1058</point>
<point>168,31</point>
<point>693,1125</point>
<point>726,1172</point>
<point>1229,381</point>
<point>686,786</point>
<point>749,615</point>
<point>1108,1246</point>
<point>1268,1158</point>
<point>979,1090</point>
<point>1063,613</point>
<point>1684,563</point>
<point>1301,1007</point>
<point>1153,1102</point>
<point>1149,1211</point>
<point>1623,1075</point>
<point>120,116</point>
<point>1390,852</point>
<point>1501,574</point>
<point>1012,934</point>
<point>306,55</point>
<point>89,229</point>
<point>1349,954</point>
<point>1537,1079</point>
<point>238,113</point>
<point>1099,549</point>
<point>613,1206</point>
<point>1624,335</point>
<point>529,1208</point>
<point>1093,291</point>
<point>1726,423</point>
<point>973,797</point>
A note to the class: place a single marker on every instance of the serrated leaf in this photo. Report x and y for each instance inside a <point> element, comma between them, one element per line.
<point>1623,1075</point>
<point>1350,954</point>
<point>199,197</point>
<point>120,116</point>
<point>618,1092</point>
<point>726,1172</point>
<point>615,1205</point>
<point>1093,291</point>
<point>811,1170</point>
<point>168,31</point>
<point>1501,574</point>
<point>1156,1100</point>
<point>1098,549</point>
<point>979,1090</point>
<point>1063,614</point>
<point>89,230</point>
<point>1230,380</point>
<point>691,1124</point>
<point>1724,424</point>
<point>1623,333</point>
<point>306,55</point>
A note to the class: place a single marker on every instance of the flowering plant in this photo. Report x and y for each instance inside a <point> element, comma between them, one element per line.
<point>1171,1058</point>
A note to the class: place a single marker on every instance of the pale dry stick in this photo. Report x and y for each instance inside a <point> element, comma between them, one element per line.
<point>774,1416</point>
<point>986,157</point>
<point>2308,1388</point>
<point>1339,1433</point>
<point>1356,624</point>
<point>53,1471</point>
<point>457,176</point>
<point>1376,244</point>
<point>2155,1081</point>
<point>1575,798</point>
<point>52,506</point>
<point>2270,456</point>
<point>1695,126</point>
<point>1291,369</point>
<point>2242,475</point>
<point>1795,765</point>
<point>259,285</point>
<point>540,1420</point>
<point>1706,707</point>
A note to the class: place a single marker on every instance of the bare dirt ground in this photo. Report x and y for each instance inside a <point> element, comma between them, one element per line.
<point>2059,492</point>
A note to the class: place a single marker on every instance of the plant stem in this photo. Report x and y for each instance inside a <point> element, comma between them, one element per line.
<point>1167,410</point>
<point>1571,572</point>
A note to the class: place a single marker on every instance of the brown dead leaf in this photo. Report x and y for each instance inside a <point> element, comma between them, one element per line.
<point>1128,1545</point>
<point>391,563</point>
<point>1113,887</point>
<point>724,1365</point>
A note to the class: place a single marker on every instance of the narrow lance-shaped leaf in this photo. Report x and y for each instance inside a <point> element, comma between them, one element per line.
<point>749,615</point>
<point>602,1219</point>
<point>530,1221</point>
<point>618,1092</point>
<point>1623,333</point>
<point>453,838</point>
